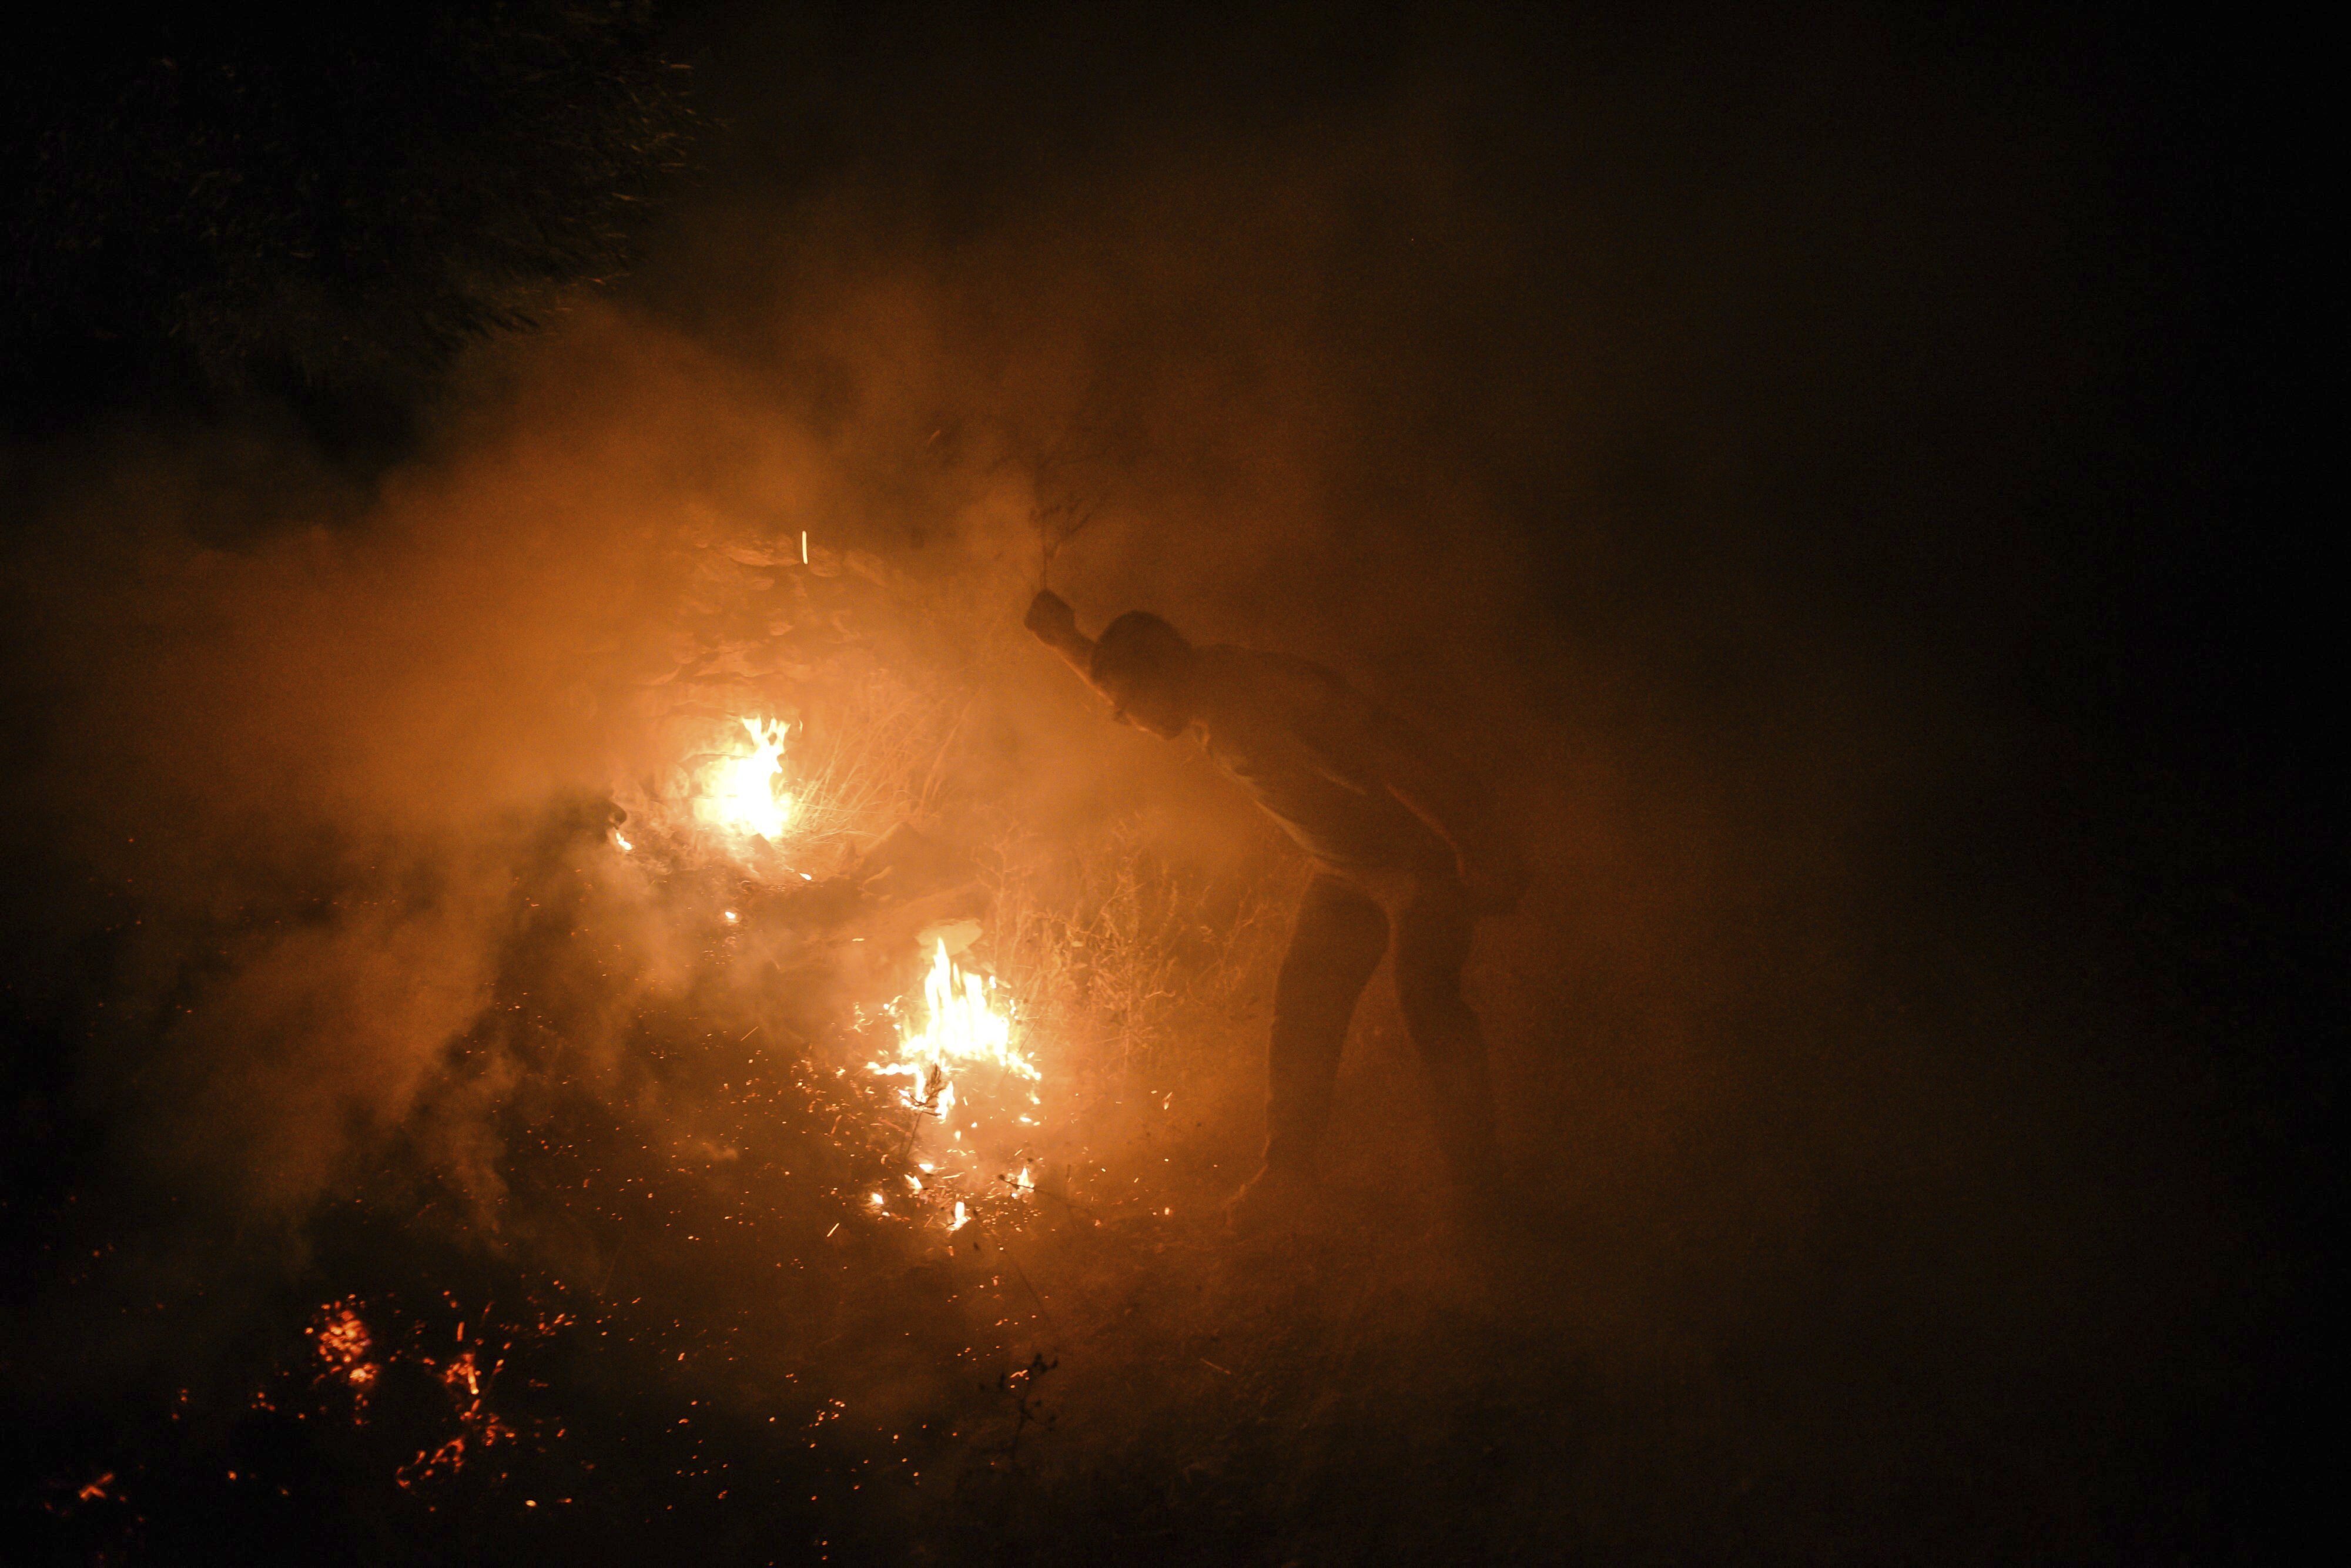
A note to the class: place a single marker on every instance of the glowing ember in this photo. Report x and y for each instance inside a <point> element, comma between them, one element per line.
<point>346,1349</point>
<point>744,794</point>
<point>466,1372</point>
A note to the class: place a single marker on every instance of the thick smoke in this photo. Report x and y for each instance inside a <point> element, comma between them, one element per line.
<point>1293,387</point>
<point>1648,435</point>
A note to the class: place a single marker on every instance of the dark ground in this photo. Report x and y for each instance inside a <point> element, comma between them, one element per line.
<point>1921,1052</point>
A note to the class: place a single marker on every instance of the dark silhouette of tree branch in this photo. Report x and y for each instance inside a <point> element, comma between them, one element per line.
<point>331,206</point>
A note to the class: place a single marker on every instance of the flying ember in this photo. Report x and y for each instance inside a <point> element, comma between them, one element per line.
<point>744,794</point>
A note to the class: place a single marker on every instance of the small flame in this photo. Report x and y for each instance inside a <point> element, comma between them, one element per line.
<point>961,1219</point>
<point>963,1024</point>
<point>621,839</point>
<point>744,794</point>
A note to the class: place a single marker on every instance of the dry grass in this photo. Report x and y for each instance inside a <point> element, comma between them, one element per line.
<point>876,753</point>
<point>1133,966</point>
<point>1130,972</point>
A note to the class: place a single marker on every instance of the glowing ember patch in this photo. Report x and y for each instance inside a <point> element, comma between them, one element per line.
<point>346,1349</point>
<point>744,794</point>
<point>343,1341</point>
<point>463,1372</point>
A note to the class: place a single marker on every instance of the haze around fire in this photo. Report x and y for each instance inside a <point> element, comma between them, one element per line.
<point>1644,457</point>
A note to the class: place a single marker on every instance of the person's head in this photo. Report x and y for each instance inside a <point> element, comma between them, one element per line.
<point>1144,667</point>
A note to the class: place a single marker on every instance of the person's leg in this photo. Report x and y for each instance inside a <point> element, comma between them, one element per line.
<point>1432,944</point>
<point>1335,946</point>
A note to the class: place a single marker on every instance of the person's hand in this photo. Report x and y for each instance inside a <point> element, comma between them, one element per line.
<point>1052,619</point>
<point>1495,881</point>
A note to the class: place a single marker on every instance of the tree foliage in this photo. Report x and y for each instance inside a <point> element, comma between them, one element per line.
<point>338,200</point>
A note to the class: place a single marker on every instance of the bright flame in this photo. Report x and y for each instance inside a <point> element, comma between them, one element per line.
<point>962,1029</point>
<point>963,1024</point>
<point>744,794</point>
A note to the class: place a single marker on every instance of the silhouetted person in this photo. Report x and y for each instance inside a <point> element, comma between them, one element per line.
<point>1405,844</point>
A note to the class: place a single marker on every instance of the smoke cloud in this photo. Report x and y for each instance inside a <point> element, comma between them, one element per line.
<point>1655,432</point>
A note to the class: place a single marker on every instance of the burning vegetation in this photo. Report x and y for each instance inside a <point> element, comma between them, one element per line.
<point>802,1068</point>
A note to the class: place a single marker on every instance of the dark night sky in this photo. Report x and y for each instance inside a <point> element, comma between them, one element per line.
<point>1883,427</point>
